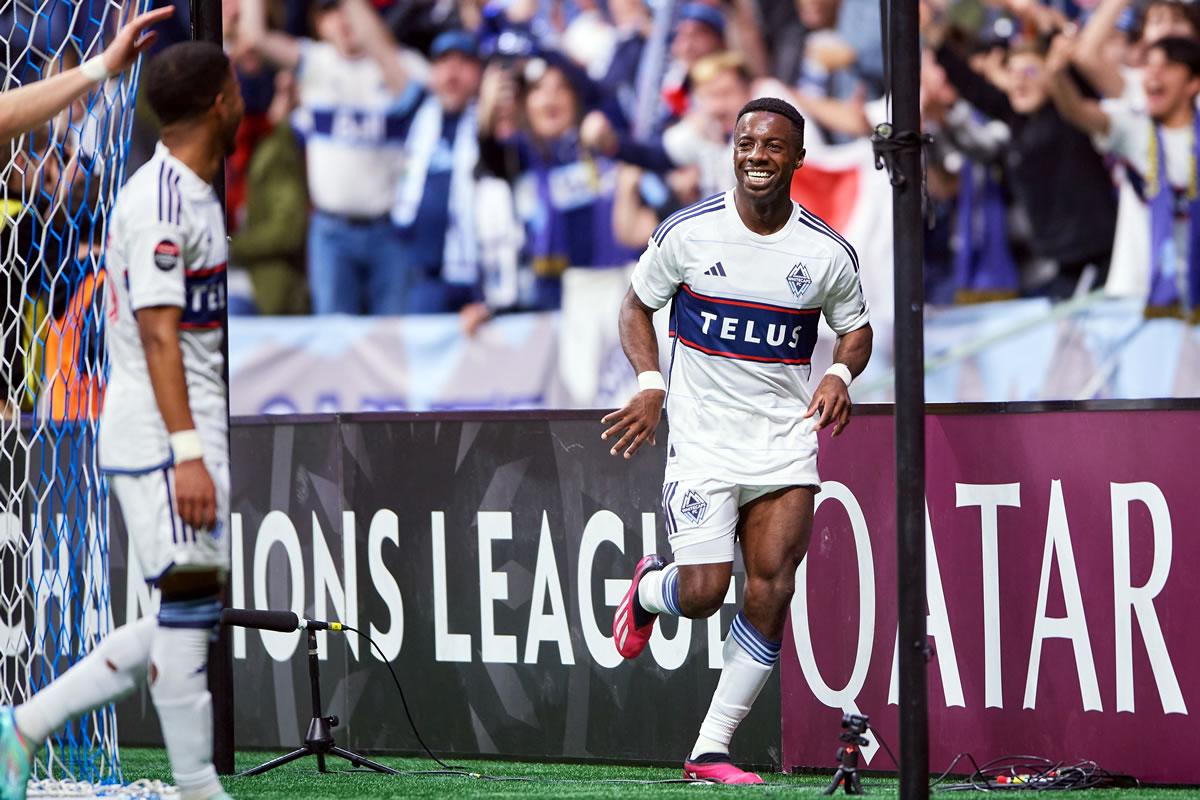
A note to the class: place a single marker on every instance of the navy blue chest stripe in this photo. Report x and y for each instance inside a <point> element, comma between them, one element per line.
<point>744,330</point>
<point>692,212</point>
<point>204,298</point>
<point>686,209</point>
<point>820,226</point>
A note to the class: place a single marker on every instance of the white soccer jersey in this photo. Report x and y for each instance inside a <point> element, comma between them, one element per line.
<point>744,322</point>
<point>166,247</point>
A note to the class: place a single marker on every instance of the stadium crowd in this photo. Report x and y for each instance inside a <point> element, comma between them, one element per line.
<point>481,157</point>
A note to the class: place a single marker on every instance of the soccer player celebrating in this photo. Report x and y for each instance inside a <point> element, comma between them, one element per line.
<point>748,272</point>
<point>163,427</point>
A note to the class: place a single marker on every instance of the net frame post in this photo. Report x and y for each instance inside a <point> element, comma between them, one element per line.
<point>908,227</point>
<point>206,26</point>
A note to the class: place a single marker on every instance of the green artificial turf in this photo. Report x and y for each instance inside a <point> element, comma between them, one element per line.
<point>300,780</point>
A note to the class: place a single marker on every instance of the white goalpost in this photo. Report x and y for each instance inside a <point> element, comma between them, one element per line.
<point>58,184</point>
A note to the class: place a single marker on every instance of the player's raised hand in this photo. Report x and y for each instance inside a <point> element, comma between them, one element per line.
<point>195,495</point>
<point>831,401</point>
<point>638,420</point>
<point>133,38</point>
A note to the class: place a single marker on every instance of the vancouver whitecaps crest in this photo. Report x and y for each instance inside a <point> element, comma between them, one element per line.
<point>798,281</point>
<point>694,506</point>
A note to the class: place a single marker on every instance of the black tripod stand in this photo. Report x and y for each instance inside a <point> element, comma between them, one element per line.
<point>319,739</point>
<point>847,755</point>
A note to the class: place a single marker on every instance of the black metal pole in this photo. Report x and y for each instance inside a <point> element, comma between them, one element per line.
<point>908,230</point>
<point>206,27</point>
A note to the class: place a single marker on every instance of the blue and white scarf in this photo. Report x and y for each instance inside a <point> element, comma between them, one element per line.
<point>1165,283</point>
<point>460,256</point>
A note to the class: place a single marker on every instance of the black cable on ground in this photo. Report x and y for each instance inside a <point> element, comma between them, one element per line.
<point>1008,773</point>
<point>1020,773</point>
<point>404,702</point>
<point>453,770</point>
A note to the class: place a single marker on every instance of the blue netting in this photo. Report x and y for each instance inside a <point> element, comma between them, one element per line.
<point>59,184</point>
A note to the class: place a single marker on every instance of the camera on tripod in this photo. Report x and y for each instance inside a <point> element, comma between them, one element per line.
<point>856,725</point>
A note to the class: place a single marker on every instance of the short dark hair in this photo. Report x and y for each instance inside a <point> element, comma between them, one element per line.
<point>183,81</point>
<point>1190,11</point>
<point>783,108</point>
<point>1180,50</point>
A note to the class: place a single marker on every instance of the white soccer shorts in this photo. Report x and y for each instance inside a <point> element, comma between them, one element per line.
<point>702,516</point>
<point>158,537</point>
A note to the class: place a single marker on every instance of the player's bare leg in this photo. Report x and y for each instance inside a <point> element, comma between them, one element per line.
<point>774,531</point>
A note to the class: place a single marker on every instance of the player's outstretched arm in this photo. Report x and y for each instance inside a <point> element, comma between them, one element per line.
<point>638,420</point>
<point>29,106</point>
<point>195,493</point>
<point>831,400</point>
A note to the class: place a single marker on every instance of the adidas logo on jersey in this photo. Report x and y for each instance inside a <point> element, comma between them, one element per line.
<point>717,270</point>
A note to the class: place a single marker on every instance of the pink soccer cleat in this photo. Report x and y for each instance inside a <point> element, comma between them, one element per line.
<point>632,624</point>
<point>717,768</point>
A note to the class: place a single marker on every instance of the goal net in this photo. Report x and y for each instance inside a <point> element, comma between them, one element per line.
<point>58,183</point>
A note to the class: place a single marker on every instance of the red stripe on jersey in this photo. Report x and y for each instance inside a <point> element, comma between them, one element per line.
<point>206,272</point>
<point>799,312</point>
<point>763,359</point>
<point>199,326</point>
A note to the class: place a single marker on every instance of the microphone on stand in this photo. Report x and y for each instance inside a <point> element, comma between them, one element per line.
<point>318,741</point>
<point>282,621</point>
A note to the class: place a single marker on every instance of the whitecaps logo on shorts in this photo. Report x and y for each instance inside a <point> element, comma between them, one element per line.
<point>694,506</point>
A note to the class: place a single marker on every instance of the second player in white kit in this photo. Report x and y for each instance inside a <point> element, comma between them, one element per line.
<point>748,274</point>
<point>167,248</point>
<point>163,427</point>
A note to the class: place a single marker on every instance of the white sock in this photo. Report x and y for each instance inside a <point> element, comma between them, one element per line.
<point>658,591</point>
<point>114,669</point>
<point>179,688</point>
<point>749,659</point>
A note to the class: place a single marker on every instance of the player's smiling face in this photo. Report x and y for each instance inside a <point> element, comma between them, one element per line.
<point>765,154</point>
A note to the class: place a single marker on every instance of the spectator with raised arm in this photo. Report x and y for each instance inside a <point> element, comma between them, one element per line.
<point>1096,55</point>
<point>1055,173</point>
<point>350,83</point>
<point>699,31</point>
<point>1093,54</point>
<point>632,25</point>
<point>1160,147</point>
<point>529,123</point>
<point>435,205</point>
<point>721,84</point>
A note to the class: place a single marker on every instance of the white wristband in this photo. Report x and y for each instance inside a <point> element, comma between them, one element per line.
<point>94,69</point>
<point>185,446</point>
<point>842,371</point>
<point>651,380</point>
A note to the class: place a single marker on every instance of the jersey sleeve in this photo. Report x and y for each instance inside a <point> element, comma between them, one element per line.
<point>155,256</point>
<point>657,275</point>
<point>845,306</point>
